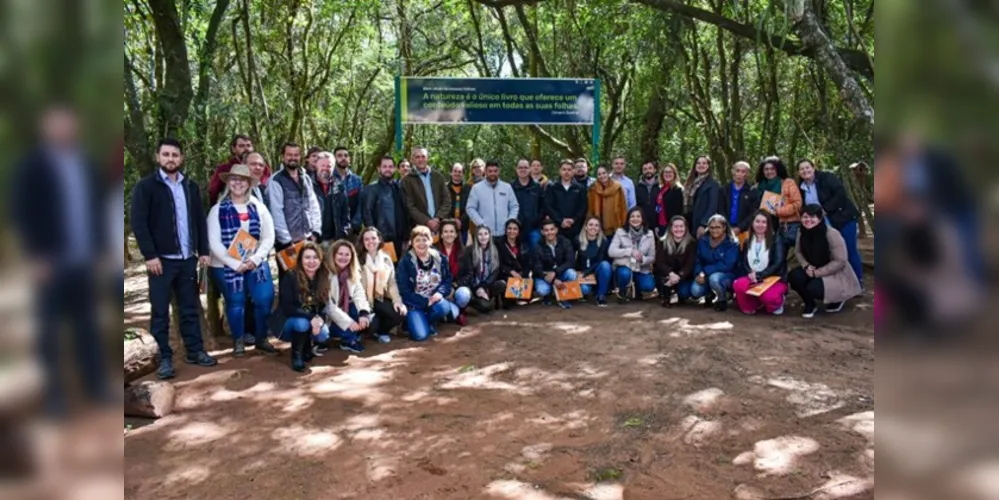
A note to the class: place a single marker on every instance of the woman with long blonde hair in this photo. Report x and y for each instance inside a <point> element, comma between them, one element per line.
<point>378,274</point>
<point>347,308</point>
<point>676,253</point>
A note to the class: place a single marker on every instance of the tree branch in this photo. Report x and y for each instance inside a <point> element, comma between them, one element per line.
<point>499,4</point>
<point>854,59</point>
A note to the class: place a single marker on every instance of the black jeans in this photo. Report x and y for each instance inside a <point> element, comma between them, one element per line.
<point>69,299</point>
<point>179,277</point>
<point>385,317</point>
<point>811,290</point>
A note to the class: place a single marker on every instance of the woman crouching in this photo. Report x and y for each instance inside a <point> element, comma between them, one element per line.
<point>424,279</point>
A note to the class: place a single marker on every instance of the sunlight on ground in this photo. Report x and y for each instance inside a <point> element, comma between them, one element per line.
<point>810,399</point>
<point>696,431</point>
<point>703,401</point>
<point>305,442</point>
<point>681,328</point>
<point>569,328</point>
<point>190,475</point>
<point>578,419</point>
<point>778,456</point>
<point>355,384</point>
<point>483,379</point>
<point>516,490</point>
<point>196,434</point>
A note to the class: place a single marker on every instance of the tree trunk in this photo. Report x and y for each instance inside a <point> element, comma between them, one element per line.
<point>810,31</point>
<point>150,400</point>
<point>654,117</point>
<point>176,93</point>
<point>141,355</point>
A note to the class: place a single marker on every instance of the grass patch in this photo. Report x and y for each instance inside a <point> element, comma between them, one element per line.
<point>607,475</point>
<point>131,334</point>
<point>532,465</point>
<point>467,369</point>
<point>635,422</point>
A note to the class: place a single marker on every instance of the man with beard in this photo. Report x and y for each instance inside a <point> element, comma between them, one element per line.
<point>172,232</point>
<point>310,161</point>
<point>383,207</point>
<point>647,191</point>
<point>459,200</point>
<point>333,203</point>
<point>582,174</point>
<point>566,203</point>
<point>351,184</point>
<point>428,201</point>
<point>492,202</point>
<point>538,174</point>
<point>626,183</point>
<point>240,146</point>
<point>293,203</point>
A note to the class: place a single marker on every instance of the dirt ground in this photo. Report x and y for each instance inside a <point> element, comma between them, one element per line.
<point>629,402</point>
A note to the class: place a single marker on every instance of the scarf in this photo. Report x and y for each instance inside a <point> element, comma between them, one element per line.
<point>230,224</point>
<point>484,266</point>
<point>636,236</point>
<point>661,209</point>
<point>378,271</point>
<point>342,280</point>
<point>456,199</point>
<point>815,245</point>
<point>688,201</point>
<point>774,186</point>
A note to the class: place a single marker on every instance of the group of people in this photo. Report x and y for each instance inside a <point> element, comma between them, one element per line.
<point>415,249</point>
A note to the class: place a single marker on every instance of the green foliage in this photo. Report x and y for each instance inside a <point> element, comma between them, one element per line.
<point>323,73</point>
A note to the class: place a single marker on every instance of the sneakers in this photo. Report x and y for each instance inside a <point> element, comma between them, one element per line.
<point>622,299</point>
<point>721,306</point>
<point>810,312</point>
<point>835,308</point>
<point>166,371</point>
<point>317,352</point>
<point>779,312</point>
<point>383,338</point>
<point>354,347</point>
<point>201,359</point>
<point>565,305</point>
<point>249,340</point>
<point>601,302</point>
<point>239,349</point>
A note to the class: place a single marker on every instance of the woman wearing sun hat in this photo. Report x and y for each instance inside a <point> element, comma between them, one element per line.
<point>246,274</point>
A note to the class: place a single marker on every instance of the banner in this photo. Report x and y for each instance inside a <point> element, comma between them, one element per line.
<point>497,101</point>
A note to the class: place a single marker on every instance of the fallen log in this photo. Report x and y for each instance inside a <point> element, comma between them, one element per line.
<point>142,355</point>
<point>149,399</point>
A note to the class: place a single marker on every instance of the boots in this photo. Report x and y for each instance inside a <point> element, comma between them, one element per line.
<point>666,296</point>
<point>308,354</point>
<point>481,306</point>
<point>297,346</point>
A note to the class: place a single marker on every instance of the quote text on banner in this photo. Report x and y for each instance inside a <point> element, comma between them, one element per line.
<point>500,101</point>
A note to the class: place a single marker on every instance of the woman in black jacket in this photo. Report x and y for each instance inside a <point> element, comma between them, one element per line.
<point>302,300</point>
<point>676,253</point>
<point>701,196</point>
<point>515,258</point>
<point>669,201</point>
<point>592,262</point>
<point>826,190</point>
<point>762,257</point>
<point>478,273</point>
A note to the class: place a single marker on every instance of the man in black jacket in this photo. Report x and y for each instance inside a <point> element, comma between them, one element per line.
<point>566,203</point>
<point>170,227</point>
<point>530,197</point>
<point>334,204</point>
<point>384,208</point>
<point>58,209</point>
<point>647,193</point>
<point>738,201</point>
<point>553,263</point>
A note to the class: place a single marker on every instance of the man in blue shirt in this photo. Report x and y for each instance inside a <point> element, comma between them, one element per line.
<point>620,165</point>
<point>170,227</point>
<point>738,201</point>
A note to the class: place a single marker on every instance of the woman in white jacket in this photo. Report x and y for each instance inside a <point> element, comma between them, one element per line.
<point>633,251</point>
<point>378,273</point>
<point>348,309</point>
<point>241,270</point>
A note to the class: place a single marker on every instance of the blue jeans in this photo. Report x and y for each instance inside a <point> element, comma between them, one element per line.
<point>346,336</point>
<point>543,288</point>
<point>789,233</point>
<point>421,323</point>
<point>603,274</point>
<point>261,294</point>
<point>302,325</point>
<point>719,283</point>
<point>683,290</point>
<point>644,282</point>
<point>534,238</point>
<point>849,232</point>
<point>462,297</point>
